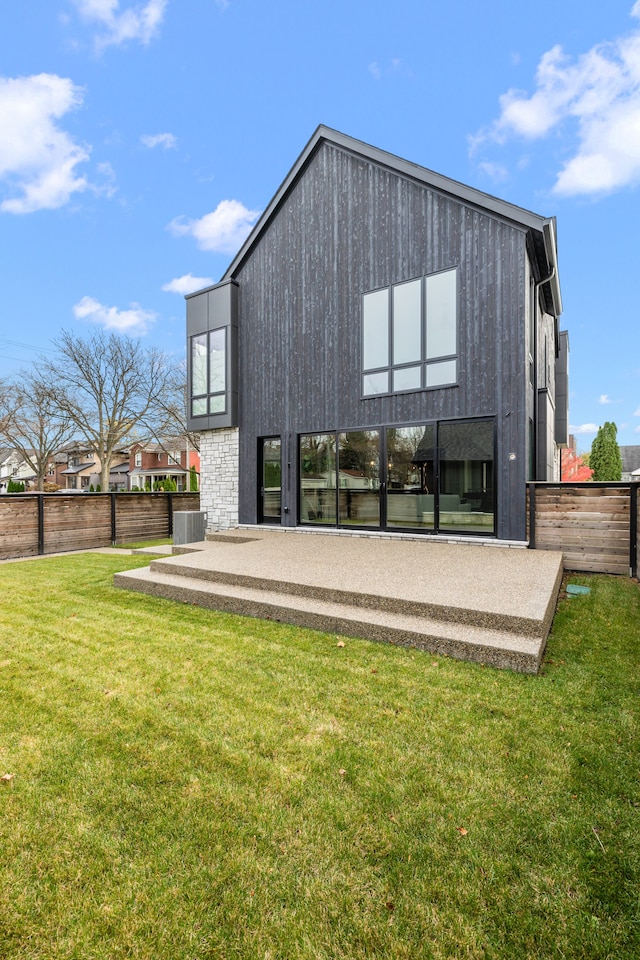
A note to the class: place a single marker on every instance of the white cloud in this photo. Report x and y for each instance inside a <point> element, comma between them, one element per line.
<point>584,428</point>
<point>165,140</point>
<point>393,66</point>
<point>108,188</point>
<point>139,23</point>
<point>636,413</point>
<point>187,284</point>
<point>494,171</point>
<point>604,398</point>
<point>134,321</point>
<point>38,160</point>
<point>222,231</point>
<point>595,97</point>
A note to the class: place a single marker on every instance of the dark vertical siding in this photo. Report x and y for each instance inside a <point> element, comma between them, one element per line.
<point>348,226</point>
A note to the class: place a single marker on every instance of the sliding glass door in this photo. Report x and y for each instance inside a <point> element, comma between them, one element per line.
<point>340,478</point>
<point>410,484</point>
<point>359,478</point>
<point>466,488</point>
<point>431,477</point>
<point>318,479</point>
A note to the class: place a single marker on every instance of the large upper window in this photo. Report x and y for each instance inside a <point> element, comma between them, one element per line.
<point>409,335</point>
<point>212,357</point>
<point>209,372</point>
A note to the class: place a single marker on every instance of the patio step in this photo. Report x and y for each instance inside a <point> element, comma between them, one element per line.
<point>291,581</point>
<point>494,639</point>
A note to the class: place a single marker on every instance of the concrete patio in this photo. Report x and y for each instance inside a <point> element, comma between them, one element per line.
<point>487,604</point>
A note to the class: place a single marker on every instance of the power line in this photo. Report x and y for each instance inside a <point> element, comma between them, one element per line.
<point>26,346</point>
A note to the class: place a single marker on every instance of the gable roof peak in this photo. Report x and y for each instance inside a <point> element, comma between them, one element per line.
<point>542,228</point>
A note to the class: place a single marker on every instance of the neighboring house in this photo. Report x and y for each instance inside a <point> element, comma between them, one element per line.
<point>74,467</point>
<point>630,463</point>
<point>152,463</point>
<point>13,466</point>
<point>382,353</point>
<point>119,477</point>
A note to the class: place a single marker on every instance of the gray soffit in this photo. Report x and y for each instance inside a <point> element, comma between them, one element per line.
<point>543,228</point>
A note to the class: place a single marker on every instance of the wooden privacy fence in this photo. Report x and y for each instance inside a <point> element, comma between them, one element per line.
<point>38,523</point>
<point>596,525</point>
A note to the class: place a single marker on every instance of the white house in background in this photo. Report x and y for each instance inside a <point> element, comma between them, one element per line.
<point>13,466</point>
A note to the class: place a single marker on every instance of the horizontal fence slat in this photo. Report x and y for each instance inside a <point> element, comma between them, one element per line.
<point>596,566</point>
<point>543,523</point>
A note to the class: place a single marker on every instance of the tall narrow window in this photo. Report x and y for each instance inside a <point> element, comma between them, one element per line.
<point>375,341</point>
<point>199,375</point>
<point>440,290</point>
<point>217,370</point>
<point>208,372</point>
<point>407,323</point>
<point>270,506</point>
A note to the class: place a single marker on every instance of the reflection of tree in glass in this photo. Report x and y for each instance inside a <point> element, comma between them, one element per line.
<point>359,450</point>
<point>402,444</point>
<point>317,455</point>
<point>272,474</point>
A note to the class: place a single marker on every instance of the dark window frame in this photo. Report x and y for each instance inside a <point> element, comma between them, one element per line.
<point>438,529</point>
<point>209,395</point>
<point>423,361</point>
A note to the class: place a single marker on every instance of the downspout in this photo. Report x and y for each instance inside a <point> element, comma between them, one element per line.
<point>536,290</point>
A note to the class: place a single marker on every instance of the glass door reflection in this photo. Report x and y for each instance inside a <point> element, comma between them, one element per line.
<point>359,478</point>
<point>411,477</point>
<point>271,486</point>
<point>467,498</point>
<point>318,478</point>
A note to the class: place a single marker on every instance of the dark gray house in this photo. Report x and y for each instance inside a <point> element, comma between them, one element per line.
<point>383,353</point>
<point>630,463</point>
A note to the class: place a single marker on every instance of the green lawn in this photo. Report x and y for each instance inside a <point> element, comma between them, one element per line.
<point>139,544</point>
<point>189,785</point>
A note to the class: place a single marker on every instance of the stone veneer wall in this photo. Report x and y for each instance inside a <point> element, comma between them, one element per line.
<point>219,458</point>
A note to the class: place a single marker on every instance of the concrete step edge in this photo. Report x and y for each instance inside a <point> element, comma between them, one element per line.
<point>498,648</point>
<point>526,626</point>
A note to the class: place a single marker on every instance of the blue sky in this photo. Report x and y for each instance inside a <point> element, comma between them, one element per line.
<point>140,139</point>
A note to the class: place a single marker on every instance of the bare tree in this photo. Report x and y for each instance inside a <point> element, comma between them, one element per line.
<point>174,405</point>
<point>4,390</point>
<point>107,385</point>
<point>31,424</point>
